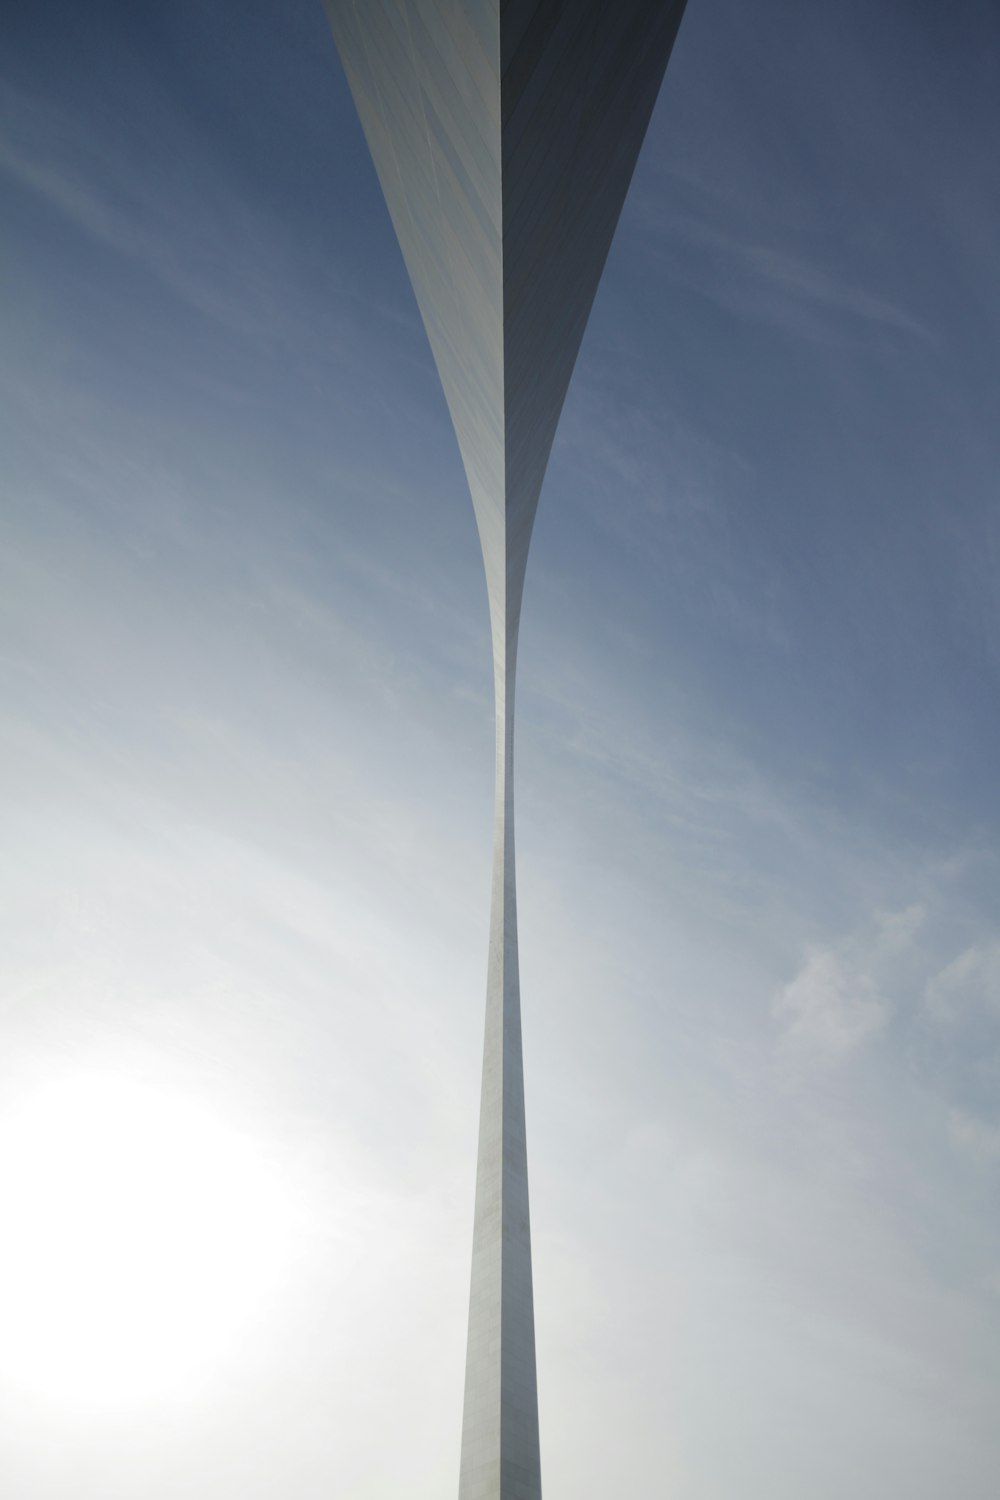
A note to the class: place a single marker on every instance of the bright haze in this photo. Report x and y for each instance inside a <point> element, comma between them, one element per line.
<point>247,763</point>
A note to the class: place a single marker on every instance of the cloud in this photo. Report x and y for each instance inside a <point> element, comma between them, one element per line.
<point>800,280</point>
<point>898,929</point>
<point>845,993</point>
<point>829,1009</point>
<point>774,283</point>
<point>210,246</point>
<point>969,982</point>
<point>975,1136</point>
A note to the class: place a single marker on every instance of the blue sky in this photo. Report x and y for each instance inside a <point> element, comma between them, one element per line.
<point>247,756</point>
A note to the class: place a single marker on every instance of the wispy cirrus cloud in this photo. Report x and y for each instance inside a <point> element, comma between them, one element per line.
<point>165,205</point>
<point>967,983</point>
<point>772,281</point>
<point>130,202</point>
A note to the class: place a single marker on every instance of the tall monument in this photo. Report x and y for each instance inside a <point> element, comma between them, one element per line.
<point>504,134</point>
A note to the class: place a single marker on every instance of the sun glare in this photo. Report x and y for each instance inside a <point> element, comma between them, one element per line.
<point>142,1238</point>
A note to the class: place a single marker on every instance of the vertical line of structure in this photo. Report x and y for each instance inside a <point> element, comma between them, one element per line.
<point>500,1449</point>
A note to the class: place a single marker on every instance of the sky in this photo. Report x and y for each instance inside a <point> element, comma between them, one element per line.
<point>246,783</point>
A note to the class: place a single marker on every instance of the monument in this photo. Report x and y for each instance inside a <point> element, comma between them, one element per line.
<point>504,134</point>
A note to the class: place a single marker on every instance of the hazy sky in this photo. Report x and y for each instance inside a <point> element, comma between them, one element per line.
<point>246,771</point>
